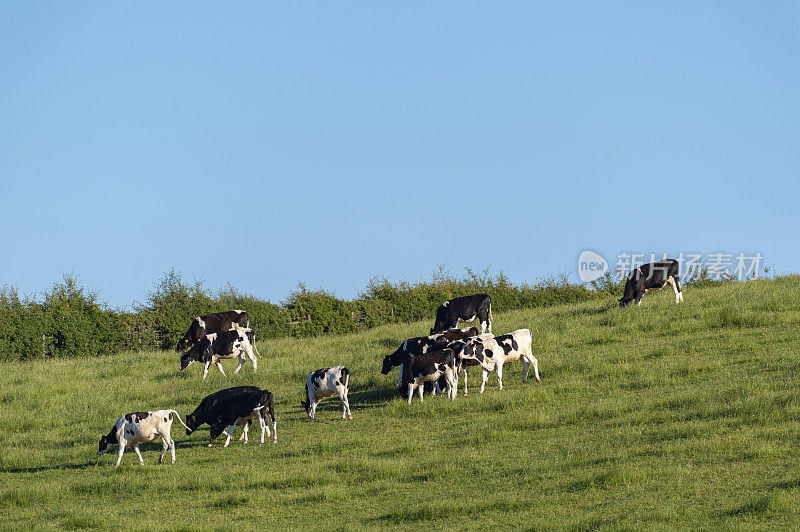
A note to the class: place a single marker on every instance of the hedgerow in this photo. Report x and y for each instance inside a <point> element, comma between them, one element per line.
<point>69,321</point>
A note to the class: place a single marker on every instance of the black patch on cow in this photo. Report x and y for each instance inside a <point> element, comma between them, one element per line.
<point>135,417</point>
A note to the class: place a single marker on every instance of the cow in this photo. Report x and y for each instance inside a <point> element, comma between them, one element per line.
<point>463,364</point>
<point>429,367</point>
<point>423,344</point>
<point>323,383</point>
<point>464,309</point>
<point>652,276</point>
<point>237,342</point>
<point>212,323</point>
<point>232,406</point>
<point>493,353</point>
<point>132,429</point>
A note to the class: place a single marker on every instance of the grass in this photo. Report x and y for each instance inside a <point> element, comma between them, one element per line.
<point>661,416</point>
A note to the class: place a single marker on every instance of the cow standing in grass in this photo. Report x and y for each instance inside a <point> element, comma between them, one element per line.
<point>238,342</point>
<point>323,383</point>
<point>132,429</point>
<point>230,406</point>
<point>421,345</point>
<point>207,324</point>
<point>464,309</point>
<point>649,277</point>
<point>429,368</point>
<point>494,353</point>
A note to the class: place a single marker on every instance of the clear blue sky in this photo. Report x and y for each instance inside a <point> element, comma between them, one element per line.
<point>266,143</point>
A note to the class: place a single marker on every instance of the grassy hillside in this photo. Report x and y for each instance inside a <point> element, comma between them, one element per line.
<point>655,416</point>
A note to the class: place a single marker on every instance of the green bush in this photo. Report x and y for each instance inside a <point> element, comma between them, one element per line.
<point>71,322</point>
<point>68,323</point>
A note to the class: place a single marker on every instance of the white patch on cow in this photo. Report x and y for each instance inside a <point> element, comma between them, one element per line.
<point>201,323</point>
<point>495,357</point>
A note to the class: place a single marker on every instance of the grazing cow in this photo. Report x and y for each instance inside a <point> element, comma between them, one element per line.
<point>324,383</point>
<point>463,364</point>
<point>423,344</point>
<point>653,276</point>
<point>232,406</point>
<point>132,429</point>
<point>216,346</point>
<point>493,353</point>
<point>464,309</point>
<point>212,323</point>
<point>429,367</point>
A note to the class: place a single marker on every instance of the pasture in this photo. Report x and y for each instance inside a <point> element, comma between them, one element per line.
<point>652,417</point>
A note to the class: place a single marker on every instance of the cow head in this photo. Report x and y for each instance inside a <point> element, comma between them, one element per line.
<point>192,422</point>
<point>106,442</point>
<point>625,301</point>
<point>196,353</point>
<point>183,343</point>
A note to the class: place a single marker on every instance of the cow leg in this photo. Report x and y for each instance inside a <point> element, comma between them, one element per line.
<point>345,403</point>
<point>314,410</point>
<point>499,369</point>
<point>164,446</point>
<point>205,369</point>
<point>219,367</point>
<point>244,431</point>
<point>252,357</point>
<point>675,290</point>
<point>171,444</point>
<point>421,390</point>
<point>484,378</point>
<point>121,450</point>
<point>410,391</point>
<point>241,363</point>
<point>230,433</point>
<point>452,385</point>
<point>138,453</point>
<point>262,424</point>
<point>400,377</point>
<point>464,371</point>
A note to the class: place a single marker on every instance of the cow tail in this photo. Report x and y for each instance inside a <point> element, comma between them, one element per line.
<point>179,418</point>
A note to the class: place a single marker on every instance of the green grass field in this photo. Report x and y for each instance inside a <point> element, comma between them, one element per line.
<point>661,416</point>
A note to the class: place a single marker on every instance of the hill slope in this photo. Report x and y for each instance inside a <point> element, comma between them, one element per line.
<point>652,416</point>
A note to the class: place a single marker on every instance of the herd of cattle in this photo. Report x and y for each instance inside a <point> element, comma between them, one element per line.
<point>440,359</point>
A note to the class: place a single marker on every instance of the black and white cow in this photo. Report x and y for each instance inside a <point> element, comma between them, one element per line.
<point>464,309</point>
<point>323,383</point>
<point>429,367</point>
<point>653,276</point>
<point>132,429</point>
<point>238,342</point>
<point>421,345</point>
<point>234,406</point>
<point>493,353</point>
<point>212,323</point>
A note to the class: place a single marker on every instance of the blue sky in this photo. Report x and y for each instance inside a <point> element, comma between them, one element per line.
<point>266,143</point>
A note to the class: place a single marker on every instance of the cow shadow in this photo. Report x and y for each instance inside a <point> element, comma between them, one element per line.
<point>366,397</point>
<point>38,469</point>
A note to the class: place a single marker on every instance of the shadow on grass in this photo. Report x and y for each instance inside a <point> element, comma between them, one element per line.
<point>83,465</point>
<point>759,506</point>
